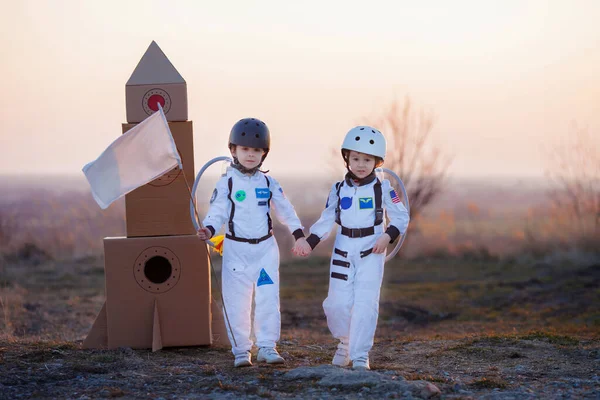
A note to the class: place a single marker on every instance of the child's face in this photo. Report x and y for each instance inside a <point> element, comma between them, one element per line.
<point>249,157</point>
<point>361,164</point>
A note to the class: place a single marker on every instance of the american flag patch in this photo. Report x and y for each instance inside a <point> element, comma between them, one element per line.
<point>394,196</point>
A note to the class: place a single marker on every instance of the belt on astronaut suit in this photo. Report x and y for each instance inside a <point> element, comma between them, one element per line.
<point>251,241</point>
<point>358,232</point>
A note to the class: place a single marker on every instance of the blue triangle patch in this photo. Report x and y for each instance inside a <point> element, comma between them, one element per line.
<point>264,278</point>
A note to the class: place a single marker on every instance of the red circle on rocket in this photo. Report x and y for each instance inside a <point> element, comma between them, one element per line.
<point>154,100</point>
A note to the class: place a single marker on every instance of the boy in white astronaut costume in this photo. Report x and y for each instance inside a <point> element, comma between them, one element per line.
<point>242,199</point>
<point>357,205</point>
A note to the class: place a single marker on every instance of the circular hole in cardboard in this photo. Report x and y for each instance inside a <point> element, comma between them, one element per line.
<point>158,269</point>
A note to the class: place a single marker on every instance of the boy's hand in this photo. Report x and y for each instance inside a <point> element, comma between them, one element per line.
<point>204,233</point>
<point>381,243</point>
<point>301,248</point>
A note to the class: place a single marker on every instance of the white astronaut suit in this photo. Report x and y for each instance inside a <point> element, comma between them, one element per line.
<point>352,303</point>
<point>250,253</point>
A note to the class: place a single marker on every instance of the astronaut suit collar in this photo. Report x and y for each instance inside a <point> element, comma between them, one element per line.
<point>352,180</point>
<point>237,165</point>
<point>242,174</point>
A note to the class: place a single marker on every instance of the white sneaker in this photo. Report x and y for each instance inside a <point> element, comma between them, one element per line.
<point>361,364</point>
<point>270,355</point>
<point>243,360</point>
<point>341,357</point>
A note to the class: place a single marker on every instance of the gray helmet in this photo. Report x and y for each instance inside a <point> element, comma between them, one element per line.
<point>251,132</point>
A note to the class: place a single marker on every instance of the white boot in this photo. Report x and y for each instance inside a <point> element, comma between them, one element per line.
<point>270,355</point>
<point>243,360</point>
<point>361,364</point>
<point>341,357</point>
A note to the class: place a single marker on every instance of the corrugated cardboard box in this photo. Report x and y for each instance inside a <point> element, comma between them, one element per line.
<point>154,80</point>
<point>162,207</point>
<point>157,292</point>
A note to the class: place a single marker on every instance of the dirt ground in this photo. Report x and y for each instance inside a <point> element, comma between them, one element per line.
<point>450,329</point>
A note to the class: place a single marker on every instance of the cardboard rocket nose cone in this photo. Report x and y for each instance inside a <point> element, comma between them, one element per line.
<point>154,68</point>
<point>155,80</point>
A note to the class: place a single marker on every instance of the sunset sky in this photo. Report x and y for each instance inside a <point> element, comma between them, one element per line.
<point>505,79</point>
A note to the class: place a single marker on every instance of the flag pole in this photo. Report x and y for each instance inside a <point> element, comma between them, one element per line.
<point>209,258</point>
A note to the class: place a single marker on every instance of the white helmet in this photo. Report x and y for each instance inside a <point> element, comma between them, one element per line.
<point>365,139</point>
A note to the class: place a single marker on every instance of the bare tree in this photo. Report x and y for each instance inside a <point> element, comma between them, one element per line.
<point>574,171</point>
<point>421,165</point>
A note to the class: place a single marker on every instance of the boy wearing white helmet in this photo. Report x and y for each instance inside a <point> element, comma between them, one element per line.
<point>357,205</point>
<point>242,199</point>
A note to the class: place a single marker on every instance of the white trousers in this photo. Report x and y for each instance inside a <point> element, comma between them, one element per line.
<point>251,269</point>
<point>352,304</point>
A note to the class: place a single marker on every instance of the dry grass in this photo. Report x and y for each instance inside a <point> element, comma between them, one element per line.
<point>11,307</point>
<point>443,322</point>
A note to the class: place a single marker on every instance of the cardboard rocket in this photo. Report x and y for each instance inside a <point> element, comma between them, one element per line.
<point>157,279</point>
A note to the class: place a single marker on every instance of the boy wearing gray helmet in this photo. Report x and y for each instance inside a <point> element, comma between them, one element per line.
<point>242,200</point>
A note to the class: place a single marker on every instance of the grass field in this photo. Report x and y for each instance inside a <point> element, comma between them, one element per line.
<point>469,328</point>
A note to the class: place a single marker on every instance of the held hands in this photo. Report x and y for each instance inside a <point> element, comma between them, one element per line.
<point>301,248</point>
<point>381,243</point>
<point>204,233</point>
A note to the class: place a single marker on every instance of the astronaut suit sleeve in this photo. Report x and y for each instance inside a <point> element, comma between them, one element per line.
<point>320,230</point>
<point>396,211</point>
<point>284,210</point>
<point>218,211</point>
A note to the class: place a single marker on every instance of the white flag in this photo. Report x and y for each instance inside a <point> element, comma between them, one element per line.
<point>142,154</point>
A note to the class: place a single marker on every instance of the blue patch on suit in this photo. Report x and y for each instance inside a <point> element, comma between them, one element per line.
<point>262,193</point>
<point>262,203</point>
<point>346,202</point>
<point>365,203</point>
<point>264,278</point>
